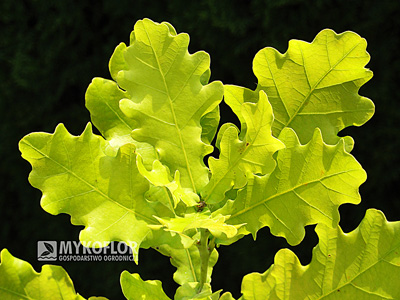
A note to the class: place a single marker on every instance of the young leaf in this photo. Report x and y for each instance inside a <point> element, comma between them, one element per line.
<point>312,85</point>
<point>362,264</point>
<point>252,154</point>
<point>160,176</point>
<point>134,288</point>
<point>227,296</point>
<point>102,101</point>
<point>187,262</point>
<point>103,193</point>
<point>316,84</point>
<point>167,98</point>
<point>216,224</point>
<point>18,280</point>
<point>190,291</point>
<point>209,123</point>
<point>308,185</point>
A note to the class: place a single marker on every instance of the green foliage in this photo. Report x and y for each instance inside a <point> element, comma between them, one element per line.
<point>144,181</point>
<point>363,264</point>
<point>19,281</point>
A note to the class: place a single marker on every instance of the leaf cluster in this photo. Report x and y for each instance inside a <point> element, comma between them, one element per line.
<point>144,182</point>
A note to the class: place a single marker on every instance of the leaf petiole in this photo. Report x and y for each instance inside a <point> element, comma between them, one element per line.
<point>205,250</point>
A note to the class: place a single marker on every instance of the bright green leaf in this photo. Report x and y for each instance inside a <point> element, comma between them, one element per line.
<point>252,154</point>
<point>160,176</point>
<point>103,193</point>
<point>226,296</point>
<point>167,98</point>
<point>209,123</point>
<point>187,262</point>
<point>102,100</point>
<point>308,185</point>
<point>134,288</point>
<point>190,291</point>
<point>215,224</point>
<point>316,84</point>
<point>362,264</point>
<point>18,280</point>
<point>235,96</point>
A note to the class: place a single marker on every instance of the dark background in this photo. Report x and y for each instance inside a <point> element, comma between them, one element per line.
<point>50,51</point>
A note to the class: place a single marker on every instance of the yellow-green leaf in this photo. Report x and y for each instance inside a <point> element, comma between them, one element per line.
<point>362,264</point>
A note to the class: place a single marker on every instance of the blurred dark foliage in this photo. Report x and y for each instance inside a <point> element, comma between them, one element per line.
<point>50,51</point>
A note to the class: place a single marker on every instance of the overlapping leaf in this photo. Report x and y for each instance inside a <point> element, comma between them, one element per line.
<point>103,193</point>
<point>190,291</point>
<point>18,280</point>
<point>251,154</point>
<point>216,224</point>
<point>135,288</point>
<point>159,176</point>
<point>102,100</point>
<point>307,187</point>
<point>362,264</point>
<point>187,261</point>
<point>167,98</point>
<point>312,85</point>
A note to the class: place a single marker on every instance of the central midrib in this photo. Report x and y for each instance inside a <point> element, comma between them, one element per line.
<point>312,89</point>
<point>173,113</point>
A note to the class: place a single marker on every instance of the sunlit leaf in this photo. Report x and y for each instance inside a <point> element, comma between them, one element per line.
<point>362,264</point>
<point>134,288</point>
<point>216,224</point>
<point>253,153</point>
<point>167,97</point>
<point>187,262</point>
<point>103,193</point>
<point>307,187</point>
<point>18,280</point>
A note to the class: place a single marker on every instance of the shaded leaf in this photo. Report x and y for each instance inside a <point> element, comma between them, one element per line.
<point>209,124</point>
<point>362,264</point>
<point>251,154</point>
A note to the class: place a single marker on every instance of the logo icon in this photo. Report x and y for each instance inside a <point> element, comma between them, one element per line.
<point>47,250</point>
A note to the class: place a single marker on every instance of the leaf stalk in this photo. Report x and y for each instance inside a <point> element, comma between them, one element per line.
<point>205,249</point>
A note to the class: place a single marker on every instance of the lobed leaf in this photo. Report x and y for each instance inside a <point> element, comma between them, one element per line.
<point>253,153</point>
<point>167,97</point>
<point>362,264</point>
<point>103,193</point>
<point>160,176</point>
<point>308,185</point>
<point>134,288</point>
<point>216,224</point>
<point>18,280</point>
<point>190,291</point>
<point>187,261</point>
<point>102,101</point>
<point>313,85</point>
